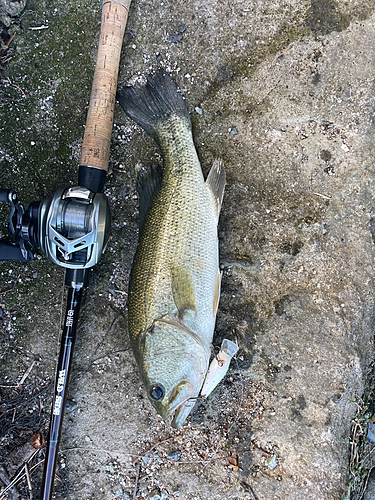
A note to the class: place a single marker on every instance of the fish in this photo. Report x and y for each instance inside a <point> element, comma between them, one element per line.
<point>175,281</point>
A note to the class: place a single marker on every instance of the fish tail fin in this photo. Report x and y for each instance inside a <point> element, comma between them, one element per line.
<point>154,102</point>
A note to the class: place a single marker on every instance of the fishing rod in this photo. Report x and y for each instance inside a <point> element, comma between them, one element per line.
<point>73,226</point>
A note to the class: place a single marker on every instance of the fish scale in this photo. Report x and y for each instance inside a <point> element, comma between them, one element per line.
<point>175,282</point>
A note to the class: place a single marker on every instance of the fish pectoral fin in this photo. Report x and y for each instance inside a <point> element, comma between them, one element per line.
<point>148,184</point>
<point>215,305</point>
<point>183,290</point>
<point>216,182</point>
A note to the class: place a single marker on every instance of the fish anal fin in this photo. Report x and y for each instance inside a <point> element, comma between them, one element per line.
<point>215,305</point>
<point>216,182</point>
<point>183,290</point>
<point>148,184</point>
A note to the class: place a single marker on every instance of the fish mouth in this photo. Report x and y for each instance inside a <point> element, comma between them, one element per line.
<point>182,410</point>
<point>182,401</point>
<point>180,398</point>
<point>174,407</point>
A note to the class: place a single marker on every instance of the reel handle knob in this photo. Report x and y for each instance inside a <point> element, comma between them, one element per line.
<point>7,195</point>
<point>4,193</point>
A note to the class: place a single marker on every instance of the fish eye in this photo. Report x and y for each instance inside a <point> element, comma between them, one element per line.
<point>157,392</point>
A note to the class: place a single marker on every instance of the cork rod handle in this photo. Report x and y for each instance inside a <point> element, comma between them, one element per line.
<point>97,137</point>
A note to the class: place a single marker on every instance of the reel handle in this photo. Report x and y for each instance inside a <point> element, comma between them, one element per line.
<point>97,136</point>
<point>11,252</point>
<point>4,195</point>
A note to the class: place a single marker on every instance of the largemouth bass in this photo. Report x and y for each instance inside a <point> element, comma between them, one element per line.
<point>175,284</point>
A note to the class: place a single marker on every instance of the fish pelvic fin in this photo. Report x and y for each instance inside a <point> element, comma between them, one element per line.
<point>216,182</point>
<point>154,102</point>
<point>215,304</point>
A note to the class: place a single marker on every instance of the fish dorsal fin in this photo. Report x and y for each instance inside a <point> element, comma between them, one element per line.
<point>182,290</point>
<point>148,184</point>
<point>217,292</point>
<point>216,182</point>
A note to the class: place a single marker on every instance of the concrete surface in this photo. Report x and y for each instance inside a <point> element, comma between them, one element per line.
<point>286,94</point>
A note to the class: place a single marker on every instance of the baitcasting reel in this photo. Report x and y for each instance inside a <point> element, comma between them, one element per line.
<point>72,227</point>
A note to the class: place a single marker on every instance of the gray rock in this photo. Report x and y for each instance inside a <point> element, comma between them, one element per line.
<point>146,458</point>
<point>70,405</point>
<point>11,8</point>
<point>175,37</point>
<point>111,469</point>
<point>174,455</point>
<point>118,491</point>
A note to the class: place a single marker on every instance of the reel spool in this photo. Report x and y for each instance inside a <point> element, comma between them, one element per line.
<point>75,227</point>
<point>72,228</point>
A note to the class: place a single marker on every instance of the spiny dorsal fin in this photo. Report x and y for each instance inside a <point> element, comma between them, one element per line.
<point>182,289</point>
<point>148,184</point>
<point>216,182</point>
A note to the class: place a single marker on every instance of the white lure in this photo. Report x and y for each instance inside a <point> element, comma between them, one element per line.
<point>219,367</point>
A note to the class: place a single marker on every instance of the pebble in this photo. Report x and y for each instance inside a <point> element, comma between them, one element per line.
<point>272,462</point>
<point>155,494</point>
<point>175,455</point>
<point>110,469</point>
<point>175,37</point>
<point>181,28</point>
<point>70,405</point>
<point>117,490</point>
<point>198,110</point>
<point>113,291</point>
<point>234,131</point>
